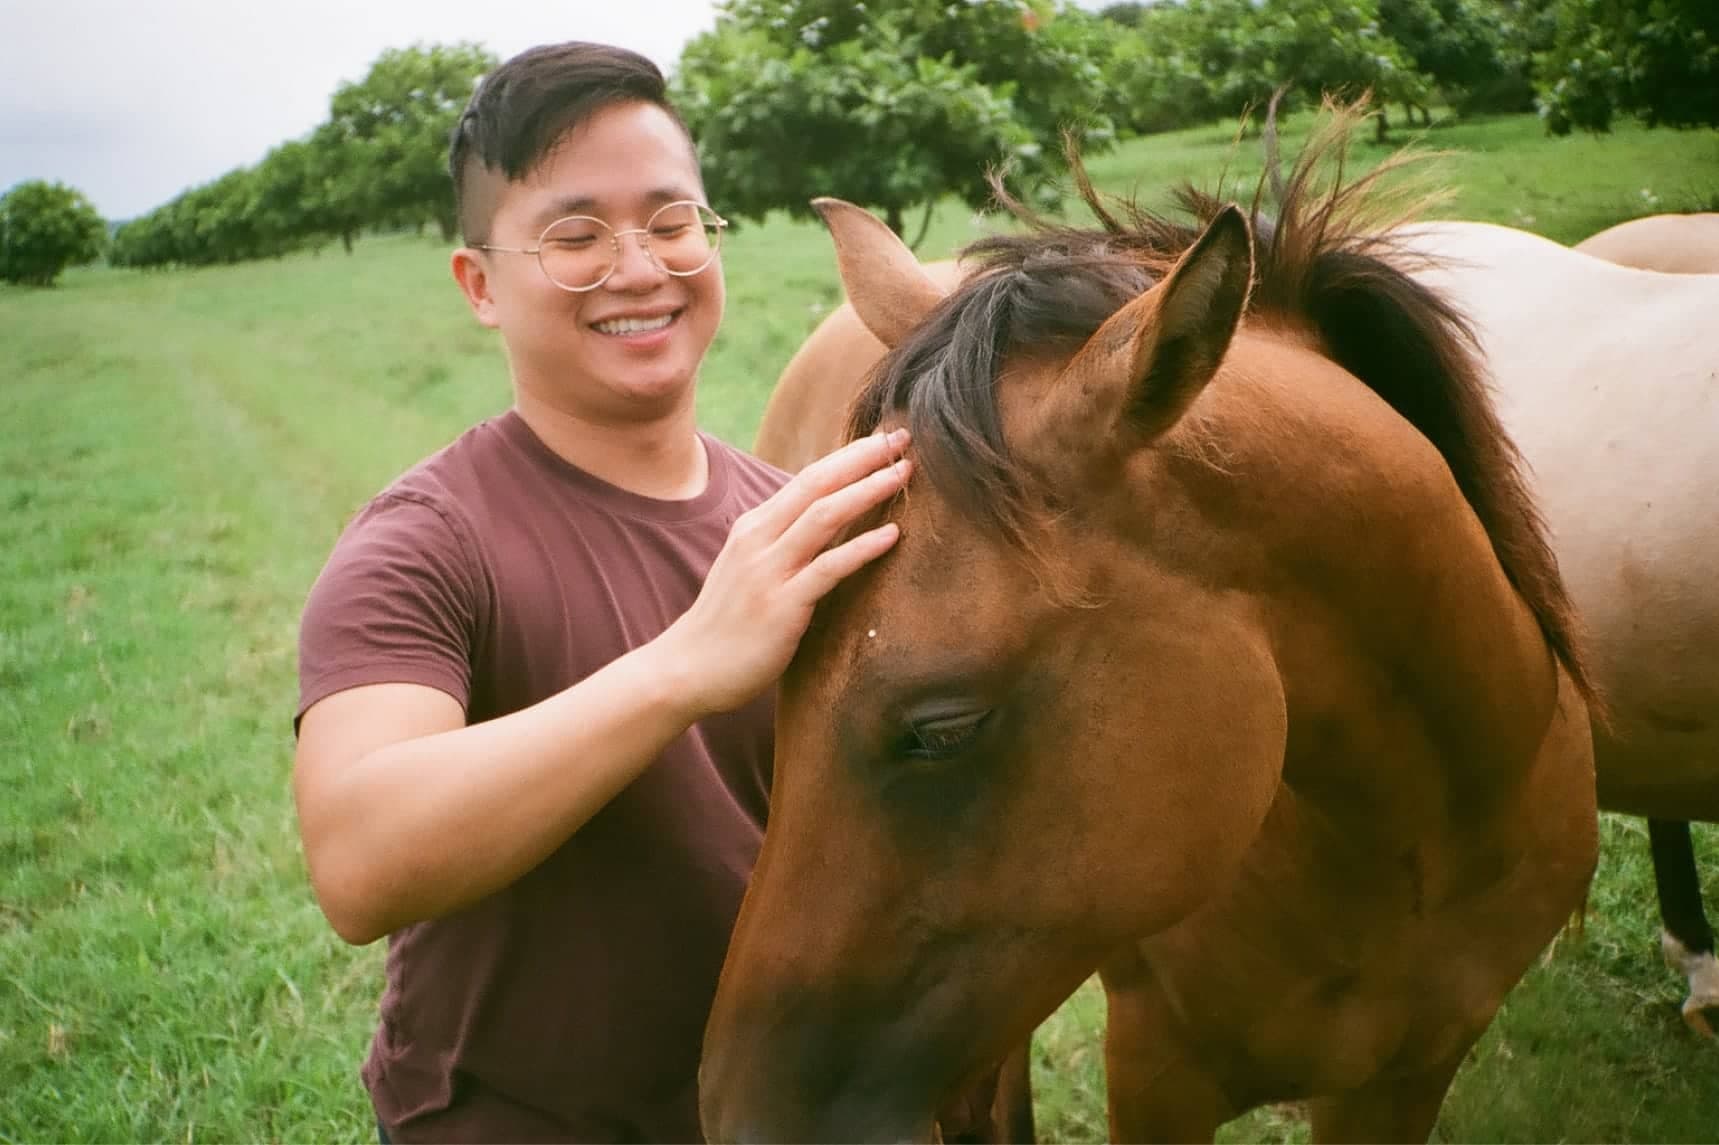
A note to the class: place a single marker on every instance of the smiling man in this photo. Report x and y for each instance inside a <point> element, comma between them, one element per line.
<point>534,734</point>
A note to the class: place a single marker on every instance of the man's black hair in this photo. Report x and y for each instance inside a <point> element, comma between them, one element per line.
<point>523,109</point>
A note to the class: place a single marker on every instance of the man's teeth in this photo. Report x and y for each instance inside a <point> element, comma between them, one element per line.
<point>634,325</point>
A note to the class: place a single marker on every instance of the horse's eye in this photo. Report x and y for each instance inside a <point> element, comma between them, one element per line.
<point>944,737</point>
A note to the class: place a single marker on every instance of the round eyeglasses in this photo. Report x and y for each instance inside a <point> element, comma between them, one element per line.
<point>579,253</point>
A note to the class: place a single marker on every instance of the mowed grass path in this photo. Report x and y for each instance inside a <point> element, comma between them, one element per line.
<point>178,452</point>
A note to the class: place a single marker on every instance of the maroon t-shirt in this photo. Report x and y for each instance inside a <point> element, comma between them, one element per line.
<point>571,1005</point>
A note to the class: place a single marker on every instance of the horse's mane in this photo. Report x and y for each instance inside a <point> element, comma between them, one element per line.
<point>1326,262</point>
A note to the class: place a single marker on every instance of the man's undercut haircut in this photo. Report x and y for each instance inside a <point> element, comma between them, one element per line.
<point>521,111</point>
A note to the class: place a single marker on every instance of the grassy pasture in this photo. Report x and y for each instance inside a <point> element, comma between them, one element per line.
<point>177,453</point>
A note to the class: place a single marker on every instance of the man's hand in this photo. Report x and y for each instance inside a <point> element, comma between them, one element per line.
<point>740,633</point>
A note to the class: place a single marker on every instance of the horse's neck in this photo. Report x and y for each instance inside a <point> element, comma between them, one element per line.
<point>1403,646</point>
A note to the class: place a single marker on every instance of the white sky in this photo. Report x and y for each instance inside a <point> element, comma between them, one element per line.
<point>133,101</point>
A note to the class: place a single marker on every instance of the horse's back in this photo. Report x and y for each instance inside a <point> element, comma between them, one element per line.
<point>1605,378</point>
<point>1585,354</point>
<point>808,408</point>
<point>1673,244</point>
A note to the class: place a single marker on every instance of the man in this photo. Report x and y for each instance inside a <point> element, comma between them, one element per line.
<point>534,743</point>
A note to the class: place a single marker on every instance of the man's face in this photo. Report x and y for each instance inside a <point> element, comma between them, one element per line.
<point>604,354</point>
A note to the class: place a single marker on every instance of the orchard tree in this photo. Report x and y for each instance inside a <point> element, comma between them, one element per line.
<point>1128,13</point>
<point>1657,59</point>
<point>44,228</point>
<point>1460,45</point>
<point>1316,47</point>
<point>386,141</point>
<point>889,105</point>
<point>1182,64</point>
<point>340,180</point>
<point>299,198</point>
<point>1205,59</point>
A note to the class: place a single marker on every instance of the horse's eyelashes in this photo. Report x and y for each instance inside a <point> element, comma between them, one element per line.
<point>942,738</point>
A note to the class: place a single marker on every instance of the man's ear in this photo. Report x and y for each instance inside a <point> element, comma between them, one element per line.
<point>471,272</point>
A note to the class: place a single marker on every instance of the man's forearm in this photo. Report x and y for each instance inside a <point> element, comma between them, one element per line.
<point>423,827</point>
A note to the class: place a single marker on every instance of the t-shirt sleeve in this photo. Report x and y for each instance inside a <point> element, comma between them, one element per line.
<point>397,602</point>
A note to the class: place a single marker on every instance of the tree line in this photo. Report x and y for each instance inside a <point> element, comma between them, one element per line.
<point>898,103</point>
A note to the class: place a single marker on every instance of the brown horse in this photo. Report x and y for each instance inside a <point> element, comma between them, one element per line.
<point>1221,652</point>
<point>1502,278</point>
<point>1671,244</point>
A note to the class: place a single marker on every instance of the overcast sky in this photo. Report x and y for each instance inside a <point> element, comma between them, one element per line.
<point>132,101</point>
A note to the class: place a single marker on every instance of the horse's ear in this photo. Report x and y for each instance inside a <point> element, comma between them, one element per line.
<point>888,288</point>
<point>1151,359</point>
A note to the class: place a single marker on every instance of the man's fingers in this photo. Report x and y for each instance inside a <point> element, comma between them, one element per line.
<point>824,520</point>
<point>824,573</point>
<point>827,474</point>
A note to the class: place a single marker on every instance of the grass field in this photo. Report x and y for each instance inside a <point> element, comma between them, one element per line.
<point>178,452</point>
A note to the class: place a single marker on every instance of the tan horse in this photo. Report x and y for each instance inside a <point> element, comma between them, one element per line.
<point>1671,244</point>
<point>1606,378</point>
<point>1221,651</point>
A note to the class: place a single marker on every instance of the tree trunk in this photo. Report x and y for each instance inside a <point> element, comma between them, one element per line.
<point>1381,126</point>
<point>346,240</point>
<point>892,216</point>
<point>449,225</point>
<point>924,225</point>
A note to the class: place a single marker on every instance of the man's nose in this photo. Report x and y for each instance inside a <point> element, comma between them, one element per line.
<point>634,265</point>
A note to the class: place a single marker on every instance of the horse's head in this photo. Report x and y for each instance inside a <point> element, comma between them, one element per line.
<point>1044,725</point>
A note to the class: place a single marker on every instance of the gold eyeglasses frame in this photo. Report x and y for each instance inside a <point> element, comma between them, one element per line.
<point>714,220</point>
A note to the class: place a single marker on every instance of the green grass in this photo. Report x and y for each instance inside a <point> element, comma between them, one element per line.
<point>178,452</point>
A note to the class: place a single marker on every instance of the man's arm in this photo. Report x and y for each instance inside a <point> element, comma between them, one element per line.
<point>408,814</point>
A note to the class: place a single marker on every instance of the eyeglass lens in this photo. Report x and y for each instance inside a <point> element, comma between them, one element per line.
<point>580,252</point>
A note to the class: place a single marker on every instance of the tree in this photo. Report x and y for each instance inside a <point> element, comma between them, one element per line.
<point>1210,58</point>
<point>889,105</point>
<point>1460,46</point>
<point>1658,59</point>
<point>1326,46</point>
<point>387,134</point>
<point>44,228</point>
<point>1128,13</point>
<point>343,187</point>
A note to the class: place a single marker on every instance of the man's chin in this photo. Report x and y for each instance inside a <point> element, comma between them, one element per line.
<point>652,399</point>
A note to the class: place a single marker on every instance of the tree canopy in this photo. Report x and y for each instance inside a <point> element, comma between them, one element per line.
<point>44,228</point>
<point>892,105</point>
<point>1658,59</point>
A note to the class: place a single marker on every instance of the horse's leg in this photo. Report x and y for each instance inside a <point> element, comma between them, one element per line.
<point>997,1110</point>
<point>1687,939</point>
<point>1012,1108</point>
<point>1158,1091</point>
<point>1394,1109</point>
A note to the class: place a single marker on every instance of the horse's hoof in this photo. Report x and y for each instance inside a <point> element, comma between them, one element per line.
<point>1700,1016</point>
<point>1701,1008</point>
